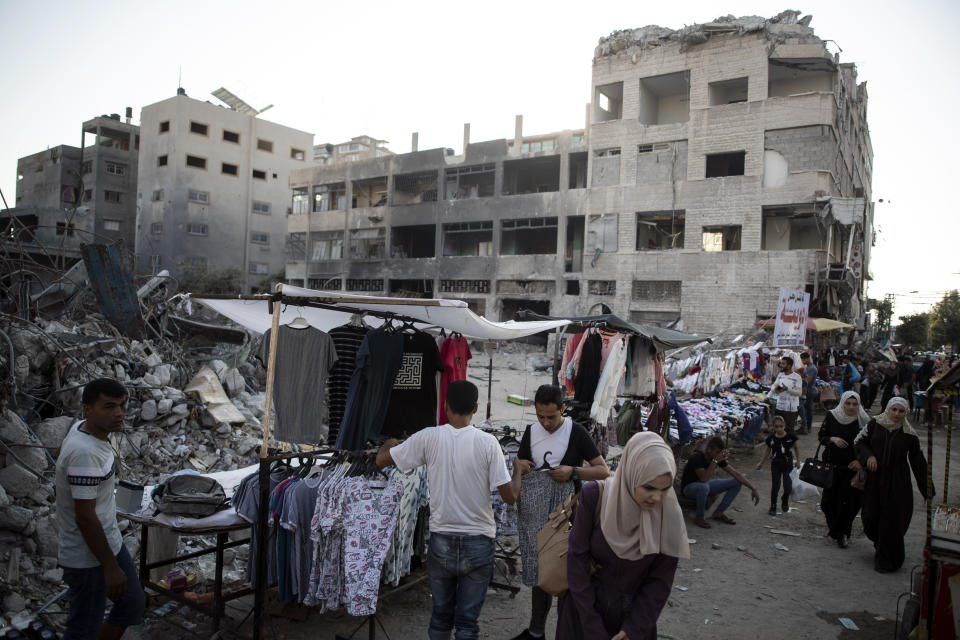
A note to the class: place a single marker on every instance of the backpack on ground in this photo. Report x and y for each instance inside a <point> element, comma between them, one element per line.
<point>190,495</point>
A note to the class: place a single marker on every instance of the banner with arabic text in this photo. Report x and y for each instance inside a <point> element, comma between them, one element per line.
<point>791,327</point>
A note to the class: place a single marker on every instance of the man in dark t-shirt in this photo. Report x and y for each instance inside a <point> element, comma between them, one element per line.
<point>696,482</point>
<point>560,447</point>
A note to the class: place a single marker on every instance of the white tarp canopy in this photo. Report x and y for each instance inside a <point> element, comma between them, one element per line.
<point>452,315</point>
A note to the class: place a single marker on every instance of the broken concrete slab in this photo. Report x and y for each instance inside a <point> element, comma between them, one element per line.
<point>206,386</point>
<point>18,481</point>
<point>52,431</point>
<point>148,410</point>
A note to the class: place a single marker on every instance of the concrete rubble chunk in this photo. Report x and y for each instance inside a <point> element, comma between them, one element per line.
<point>18,482</point>
<point>46,536</point>
<point>13,430</point>
<point>21,368</point>
<point>153,360</point>
<point>52,431</point>
<point>163,373</point>
<point>148,410</point>
<point>152,380</point>
<point>52,575</point>
<point>4,498</point>
<point>164,406</point>
<point>219,367</point>
<point>206,386</point>
<point>15,518</point>
<point>14,603</point>
<point>233,382</point>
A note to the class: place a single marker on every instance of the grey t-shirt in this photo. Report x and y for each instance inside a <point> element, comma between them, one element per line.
<point>298,505</point>
<point>85,471</point>
<point>303,362</point>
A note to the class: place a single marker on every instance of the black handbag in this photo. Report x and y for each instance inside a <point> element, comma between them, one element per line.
<point>817,472</point>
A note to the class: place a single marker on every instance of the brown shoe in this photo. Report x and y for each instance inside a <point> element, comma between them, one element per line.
<point>700,522</point>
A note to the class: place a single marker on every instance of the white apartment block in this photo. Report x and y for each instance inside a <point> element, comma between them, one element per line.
<point>213,188</point>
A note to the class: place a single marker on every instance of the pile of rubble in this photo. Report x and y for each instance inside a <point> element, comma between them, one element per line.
<point>182,413</point>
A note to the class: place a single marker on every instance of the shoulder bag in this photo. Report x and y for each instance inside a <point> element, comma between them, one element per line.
<point>817,472</point>
<point>553,542</point>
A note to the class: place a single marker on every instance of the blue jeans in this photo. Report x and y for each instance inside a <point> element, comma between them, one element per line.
<point>459,569</point>
<point>808,411</point>
<point>88,600</point>
<point>700,491</point>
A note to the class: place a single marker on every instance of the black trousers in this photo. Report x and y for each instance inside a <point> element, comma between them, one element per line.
<point>780,472</point>
<point>840,504</point>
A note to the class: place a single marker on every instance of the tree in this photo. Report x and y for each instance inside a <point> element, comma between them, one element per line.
<point>914,330</point>
<point>883,313</point>
<point>945,321</point>
<point>200,280</point>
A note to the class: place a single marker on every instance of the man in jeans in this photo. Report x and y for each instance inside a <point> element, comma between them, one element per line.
<point>697,484</point>
<point>96,564</point>
<point>810,392</point>
<point>464,466</point>
<point>787,387</point>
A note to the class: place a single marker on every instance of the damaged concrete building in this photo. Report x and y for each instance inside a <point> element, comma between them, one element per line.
<point>213,188</point>
<point>718,163</point>
<point>70,195</point>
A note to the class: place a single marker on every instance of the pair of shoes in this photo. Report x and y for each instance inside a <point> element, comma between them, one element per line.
<point>526,635</point>
<point>843,541</point>
<point>724,518</point>
<point>773,511</point>
<point>700,522</point>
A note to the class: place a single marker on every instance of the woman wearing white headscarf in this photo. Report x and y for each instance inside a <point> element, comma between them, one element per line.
<point>621,570</point>
<point>841,502</point>
<point>885,447</point>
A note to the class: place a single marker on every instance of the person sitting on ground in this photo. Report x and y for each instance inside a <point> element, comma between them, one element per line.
<point>627,537</point>
<point>783,446</point>
<point>698,485</point>
<point>787,387</point>
<point>464,465</point>
<point>551,457</point>
<point>96,564</point>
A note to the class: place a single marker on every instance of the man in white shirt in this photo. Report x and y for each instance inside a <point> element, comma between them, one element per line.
<point>787,387</point>
<point>464,465</point>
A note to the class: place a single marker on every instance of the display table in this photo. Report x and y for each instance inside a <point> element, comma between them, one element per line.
<point>217,609</point>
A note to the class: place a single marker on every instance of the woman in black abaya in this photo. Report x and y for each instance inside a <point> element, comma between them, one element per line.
<point>885,447</point>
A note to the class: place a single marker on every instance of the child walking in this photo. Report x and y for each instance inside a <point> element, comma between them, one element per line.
<point>782,446</point>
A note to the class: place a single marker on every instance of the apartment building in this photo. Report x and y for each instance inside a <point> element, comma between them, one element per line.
<point>353,150</point>
<point>213,190</point>
<point>70,195</point>
<point>718,163</point>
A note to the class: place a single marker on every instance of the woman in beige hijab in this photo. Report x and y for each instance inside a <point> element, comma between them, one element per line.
<point>885,447</point>
<point>627,537</point>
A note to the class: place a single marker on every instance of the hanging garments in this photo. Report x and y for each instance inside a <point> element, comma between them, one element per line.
<point>347,340</point>
<point>454,355</point>
<point>413,395</point>
<point>303,361</point>
<point>606,393</point>
<point>378,361</point>
<point>588,371</point>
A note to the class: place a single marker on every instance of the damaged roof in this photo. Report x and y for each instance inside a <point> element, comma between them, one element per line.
<point>781,27</point>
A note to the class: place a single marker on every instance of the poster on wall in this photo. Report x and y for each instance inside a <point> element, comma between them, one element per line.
<point>791,327</point>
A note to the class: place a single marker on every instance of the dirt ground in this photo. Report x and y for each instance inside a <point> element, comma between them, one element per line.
<point>736,585</point>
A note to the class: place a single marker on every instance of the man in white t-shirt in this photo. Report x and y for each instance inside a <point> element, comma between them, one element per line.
<point>96,564</point>
<point>464,465</point>
<point>787,387</point>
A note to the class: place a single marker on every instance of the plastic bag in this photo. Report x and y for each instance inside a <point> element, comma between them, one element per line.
<point>801,490</point>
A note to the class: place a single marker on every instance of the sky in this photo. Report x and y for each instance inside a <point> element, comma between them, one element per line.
<point>388,69</point>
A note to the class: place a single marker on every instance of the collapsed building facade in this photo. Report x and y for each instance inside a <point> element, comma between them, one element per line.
<point>718,163</point>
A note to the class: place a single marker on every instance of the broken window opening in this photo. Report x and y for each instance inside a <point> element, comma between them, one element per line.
<point>111,196</point>
<point>419,288</point>
<point>368,244</point>
<point>665,99</point>
<point>791,228</point>
<point>601,235</point>
<point>727,91</point>
<point>115,168</point>
<point>297,154</point>
<point>301,201</point>
<point>660,291</point>
<point>414,241</point>
<point>330,197</point>
<point>720,165</point>
<point>786,78</point>
<point>573,256</point>
<point>466,183</point>
<point>509,308</point>
<point>326,245</point>
<point>534,146</point>
<point>464,286</point>
<point>573,287</point>
<point>528,236</point>
<point>722,238</point>
<point>608,102</point>
<point>658,230</point>
<point>295,246</point>
<point>526,287</point>
<point>578,170</point>
<point>64,229</point>
<point>325,284</point>
<point>462,239</point>
<point>264,145</point>
<point>371,192</point>
<point>365,284</point>
<point>157,195</point>
<point>414,188</point>
<point>602,287</point>
<point>531,175</point>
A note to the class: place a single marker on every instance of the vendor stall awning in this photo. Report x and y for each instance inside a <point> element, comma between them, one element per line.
<point>662,337</point>
<point>452,315</point>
